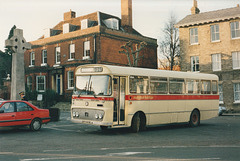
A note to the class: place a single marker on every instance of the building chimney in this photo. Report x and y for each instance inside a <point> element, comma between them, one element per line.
<point>195,9</point>
<point>126,6</point>
<point>69,15</point>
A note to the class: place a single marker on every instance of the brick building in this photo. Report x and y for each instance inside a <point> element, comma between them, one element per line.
<point>210,44</point>
<point>95,38</point>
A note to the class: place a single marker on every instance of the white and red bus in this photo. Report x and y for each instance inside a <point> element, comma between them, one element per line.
<point>114,96</point>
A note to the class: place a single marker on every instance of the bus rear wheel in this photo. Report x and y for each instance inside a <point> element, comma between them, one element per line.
<point>194,118</point>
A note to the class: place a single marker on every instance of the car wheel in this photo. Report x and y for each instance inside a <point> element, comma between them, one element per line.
<point>36,124</point>
<point>194,118</point>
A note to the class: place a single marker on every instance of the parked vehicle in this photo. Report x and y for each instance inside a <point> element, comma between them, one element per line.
<point>22,113</point>
<point>221,110</point>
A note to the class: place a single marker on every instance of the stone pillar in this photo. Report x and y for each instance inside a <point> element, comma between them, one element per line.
<point>18,45</point>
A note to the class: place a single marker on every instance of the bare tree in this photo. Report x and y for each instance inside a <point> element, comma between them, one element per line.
<point>131,53</point>
<point>170,46</point>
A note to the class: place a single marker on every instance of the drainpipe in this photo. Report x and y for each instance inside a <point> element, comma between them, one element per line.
<point>94,50</point>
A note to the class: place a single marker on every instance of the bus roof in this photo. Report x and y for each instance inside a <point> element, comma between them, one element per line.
<point>126,71</point>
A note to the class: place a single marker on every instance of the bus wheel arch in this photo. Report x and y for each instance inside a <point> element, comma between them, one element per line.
<point>138,122</point>
<point>194,120</point>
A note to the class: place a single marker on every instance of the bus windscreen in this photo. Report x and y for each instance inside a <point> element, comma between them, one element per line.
<point>93,85</point>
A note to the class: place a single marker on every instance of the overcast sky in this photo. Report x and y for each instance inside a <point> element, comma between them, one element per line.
<point>149,16</point>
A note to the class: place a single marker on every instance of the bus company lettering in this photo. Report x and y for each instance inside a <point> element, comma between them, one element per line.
<point>142,97</point>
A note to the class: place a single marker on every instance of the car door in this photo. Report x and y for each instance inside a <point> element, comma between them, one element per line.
<point>24,113</point>
<point>7,115</point>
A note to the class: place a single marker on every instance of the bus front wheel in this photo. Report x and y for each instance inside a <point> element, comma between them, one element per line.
<point>194,118</point>
<point>136,123</point>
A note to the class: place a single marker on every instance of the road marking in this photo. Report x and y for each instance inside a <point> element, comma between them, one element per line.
<point>55,150</point>
<point>118,156</point>
<point>169,147</point>
<point>56,128</point>
<point>127,153</point>
<point>57,158</point>
<point>4,153</point>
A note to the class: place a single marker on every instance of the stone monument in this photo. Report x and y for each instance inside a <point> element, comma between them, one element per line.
<point>18,45</point>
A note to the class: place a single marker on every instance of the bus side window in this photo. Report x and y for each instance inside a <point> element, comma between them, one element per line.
<point>206,87</point>
<point>176,86</point>
<point>192,86</point>
<point>214,87</point>
<point>139,84</point>
<point>158,85</point>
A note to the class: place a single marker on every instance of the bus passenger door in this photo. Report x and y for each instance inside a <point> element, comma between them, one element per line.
<point>119,84</point>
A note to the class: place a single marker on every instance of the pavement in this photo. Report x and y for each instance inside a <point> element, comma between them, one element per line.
<point>231,114</point>
<point>65,116</point>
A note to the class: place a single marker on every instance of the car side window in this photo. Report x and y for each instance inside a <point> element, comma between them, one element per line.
<point>21,106</point>
<point>8,107</point>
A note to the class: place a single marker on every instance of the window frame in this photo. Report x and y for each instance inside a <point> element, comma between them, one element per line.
<point>220,92</point>
<point>70,80</point>
<point>29,83</point>
<point>235,30</point>
<point>216,62</point>
<point>71,51</point>
<point>238,92</point>
<point>86,49</point>
<point>236,62</point>
<point>44,57</point>
<point>194,63</point>
<point>193,36</point>
<point>57,55</point>
<point>32,58</point>
<point>215,33</point>
<point>44,83</point>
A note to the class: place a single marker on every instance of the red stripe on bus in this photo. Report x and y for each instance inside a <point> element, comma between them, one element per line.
<point>155,97</point>
<point>95,98</point>
<point>171,97</point>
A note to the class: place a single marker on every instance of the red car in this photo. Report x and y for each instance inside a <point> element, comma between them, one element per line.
<point>22,113</point>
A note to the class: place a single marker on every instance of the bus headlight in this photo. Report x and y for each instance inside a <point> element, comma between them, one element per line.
<point>77,114</point>
<point>74,114</point>
<point>100,116</point>
<point>96,116</point>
